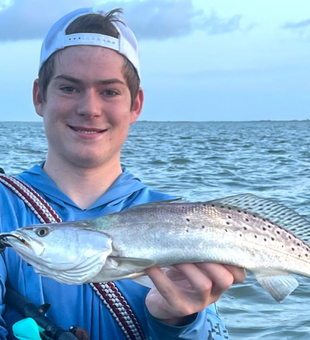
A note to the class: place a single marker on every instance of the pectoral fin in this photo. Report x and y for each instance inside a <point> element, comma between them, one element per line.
<point>144,281</point>
<point>277,283</point>
<point>117,268</point>
<point>132,262</point>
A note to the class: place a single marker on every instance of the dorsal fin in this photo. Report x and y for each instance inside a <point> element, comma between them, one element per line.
<point>272,211</point>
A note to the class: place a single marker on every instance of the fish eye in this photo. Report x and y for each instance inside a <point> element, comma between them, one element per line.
<point>43,231</point>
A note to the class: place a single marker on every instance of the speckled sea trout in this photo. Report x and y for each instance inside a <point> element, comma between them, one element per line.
<point>246,231</point>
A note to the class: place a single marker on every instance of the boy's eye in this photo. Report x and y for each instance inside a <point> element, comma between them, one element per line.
<point>67,89</point>
<point>110,93</point>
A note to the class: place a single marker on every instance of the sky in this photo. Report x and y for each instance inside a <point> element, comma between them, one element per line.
<point>201,60</point>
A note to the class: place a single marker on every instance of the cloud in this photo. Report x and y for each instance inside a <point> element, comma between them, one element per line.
<point>217,25</point>
<point>161,19</point>
<point>31,19</point>
<point>4,4</point>
<point>297,25</point>
<point>149,19</point>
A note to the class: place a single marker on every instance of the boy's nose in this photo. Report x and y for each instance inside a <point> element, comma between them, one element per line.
<point>90,104</point>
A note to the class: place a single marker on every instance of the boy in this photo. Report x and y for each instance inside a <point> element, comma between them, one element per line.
<point>88,94</point>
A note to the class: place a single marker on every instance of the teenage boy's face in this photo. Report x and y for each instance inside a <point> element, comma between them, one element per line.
<point>87,112</point>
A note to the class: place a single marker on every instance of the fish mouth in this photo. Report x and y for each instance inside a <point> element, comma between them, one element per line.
<point>4,242</point>
<point>19,242</point>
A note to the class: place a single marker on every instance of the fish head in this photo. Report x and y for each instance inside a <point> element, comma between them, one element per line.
<point>66,253</point>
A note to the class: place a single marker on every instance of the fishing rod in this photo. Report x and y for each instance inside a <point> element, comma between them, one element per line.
<point>28,310</point>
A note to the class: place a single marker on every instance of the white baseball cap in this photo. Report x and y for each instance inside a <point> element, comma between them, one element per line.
<point>57,39</point>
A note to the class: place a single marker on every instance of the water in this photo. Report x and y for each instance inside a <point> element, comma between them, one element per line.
<point>203,161</point>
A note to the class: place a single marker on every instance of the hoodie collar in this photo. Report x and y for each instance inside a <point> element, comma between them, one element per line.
<point>124,186</point>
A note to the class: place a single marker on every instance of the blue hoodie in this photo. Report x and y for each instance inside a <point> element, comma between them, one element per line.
<point>78,304</point>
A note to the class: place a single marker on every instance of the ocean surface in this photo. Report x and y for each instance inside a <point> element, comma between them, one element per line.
<point>204,161</point>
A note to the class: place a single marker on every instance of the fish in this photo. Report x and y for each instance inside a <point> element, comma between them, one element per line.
<point>263,236</point>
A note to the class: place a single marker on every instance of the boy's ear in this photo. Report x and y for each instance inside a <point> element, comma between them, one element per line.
<point>37,98</point>
<point>137,106</point>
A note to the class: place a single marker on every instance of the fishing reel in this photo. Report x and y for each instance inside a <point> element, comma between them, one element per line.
<point>51,331</point>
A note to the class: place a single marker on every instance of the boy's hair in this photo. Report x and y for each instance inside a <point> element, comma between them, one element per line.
<point>93,23</point>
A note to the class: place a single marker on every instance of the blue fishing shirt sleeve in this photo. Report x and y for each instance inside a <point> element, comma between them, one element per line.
<point>78,304</point>
<point>206,326</point>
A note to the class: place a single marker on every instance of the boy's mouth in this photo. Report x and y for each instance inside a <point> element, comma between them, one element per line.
<point>86,130</point>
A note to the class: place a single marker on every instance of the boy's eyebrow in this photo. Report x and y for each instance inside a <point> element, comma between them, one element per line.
<point>99,82</point>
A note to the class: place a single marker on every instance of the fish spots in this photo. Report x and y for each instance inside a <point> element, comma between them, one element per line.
<point>264,237</point>
<point>188,220</point>
<point>296,246</point>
